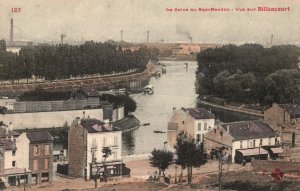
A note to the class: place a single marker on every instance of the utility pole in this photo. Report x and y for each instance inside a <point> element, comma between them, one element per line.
<point>25,179</point>
<point>220,172</point>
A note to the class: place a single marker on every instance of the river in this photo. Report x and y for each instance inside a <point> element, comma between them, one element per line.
<point>174,89</point>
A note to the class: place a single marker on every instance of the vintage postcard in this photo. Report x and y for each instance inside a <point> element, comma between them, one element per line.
<point>149,95</point>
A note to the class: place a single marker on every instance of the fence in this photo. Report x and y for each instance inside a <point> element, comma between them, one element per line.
<point>41,106</point>
<point>260,165</point>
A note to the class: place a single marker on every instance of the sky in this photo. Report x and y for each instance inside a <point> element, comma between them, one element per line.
<point>101,20</point>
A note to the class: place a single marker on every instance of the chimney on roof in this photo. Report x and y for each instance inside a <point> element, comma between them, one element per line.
<point>227,128</point>
<point>11,126</point>
<point>174,109</point>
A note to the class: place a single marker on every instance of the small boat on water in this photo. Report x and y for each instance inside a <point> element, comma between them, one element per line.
<point>148,89</point>
<point>157,131</point>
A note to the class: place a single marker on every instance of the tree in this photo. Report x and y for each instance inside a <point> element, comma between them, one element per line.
<point>106,151</point>
<point>189,153</point>
<point>161,159</point>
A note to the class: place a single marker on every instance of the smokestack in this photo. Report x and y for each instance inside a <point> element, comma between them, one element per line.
<point>271,43</point>
<point>147,37</point>
<point>121,35</point>
<point>11,41</point>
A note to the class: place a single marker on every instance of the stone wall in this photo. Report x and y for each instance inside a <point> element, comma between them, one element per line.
<point>48,119</point>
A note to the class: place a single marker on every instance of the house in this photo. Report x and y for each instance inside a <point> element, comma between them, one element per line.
<point>244,140</point>
<point>195,121</point>
<point>40,156</point>
<point>11,166</point>
<point>282,115</point>
<point>285,118</point>
<point>86,140</point>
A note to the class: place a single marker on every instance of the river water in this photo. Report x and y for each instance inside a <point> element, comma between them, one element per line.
<point>174,89</point>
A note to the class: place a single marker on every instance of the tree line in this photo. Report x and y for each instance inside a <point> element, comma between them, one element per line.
<point>250,73</point>
<point>63,61</point>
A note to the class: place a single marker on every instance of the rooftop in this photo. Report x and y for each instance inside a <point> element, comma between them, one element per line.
<point>292,109</point>
<point>249,130</point>
<point>95,125</point>
<point>39,136</point>
<point>5,132</point>
<point>200,113</point>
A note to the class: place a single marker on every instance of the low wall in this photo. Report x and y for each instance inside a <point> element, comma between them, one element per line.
<point>48,119</point>
<point>269,166</point>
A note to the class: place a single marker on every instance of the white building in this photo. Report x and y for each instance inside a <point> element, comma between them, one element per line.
<point>87,138</point>
<point>195,121</point>
<point>244,140</point>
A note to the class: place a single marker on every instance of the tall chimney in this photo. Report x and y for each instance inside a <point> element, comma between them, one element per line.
<point>272,37</point>
<point>11,41</point>
<point>147,37</point>
<point>121,35</point>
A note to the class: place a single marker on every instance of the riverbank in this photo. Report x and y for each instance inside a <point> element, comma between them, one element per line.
<point>129,81</point>
<point>232,108</point>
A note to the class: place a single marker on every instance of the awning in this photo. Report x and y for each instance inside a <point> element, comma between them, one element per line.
<point>277,150</point>
<point>255,151</point>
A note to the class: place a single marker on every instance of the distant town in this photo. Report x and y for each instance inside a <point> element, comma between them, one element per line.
<point>118,115</point>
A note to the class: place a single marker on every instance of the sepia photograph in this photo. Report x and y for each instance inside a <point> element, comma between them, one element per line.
<point>150,95</point>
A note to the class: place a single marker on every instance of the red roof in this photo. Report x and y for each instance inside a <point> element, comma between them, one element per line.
<point>255,151</point>
<point>277,150</point>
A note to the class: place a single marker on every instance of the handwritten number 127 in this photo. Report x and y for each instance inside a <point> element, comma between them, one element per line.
<point>15,10</point>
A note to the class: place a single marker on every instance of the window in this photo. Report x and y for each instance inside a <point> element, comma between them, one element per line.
<point>47,149</point>
<point>182,122</point>
<point>13,153</point>
<point>251,144</point>
<point>254,143</point>
<point>46,164</point>
<point>215,130</point>
<point>221,133</point>
<point>36,150</point>
<point>260,142</point>
<point>13,163</point>
<point>198,137</point>
<point>115,141</point>
<point>269,141</point>
<point>199,126</point>
<point>205,126</point>
<point>241,144</point>
<point>35,165</point>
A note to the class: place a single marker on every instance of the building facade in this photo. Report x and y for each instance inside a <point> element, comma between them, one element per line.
<point>244,141</point>
<point>285,118</point>
<point>195,121</point>
<point>40,156</point>
<point>87,138</point>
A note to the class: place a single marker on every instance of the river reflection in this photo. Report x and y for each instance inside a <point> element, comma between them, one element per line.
<point>173,89</point>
